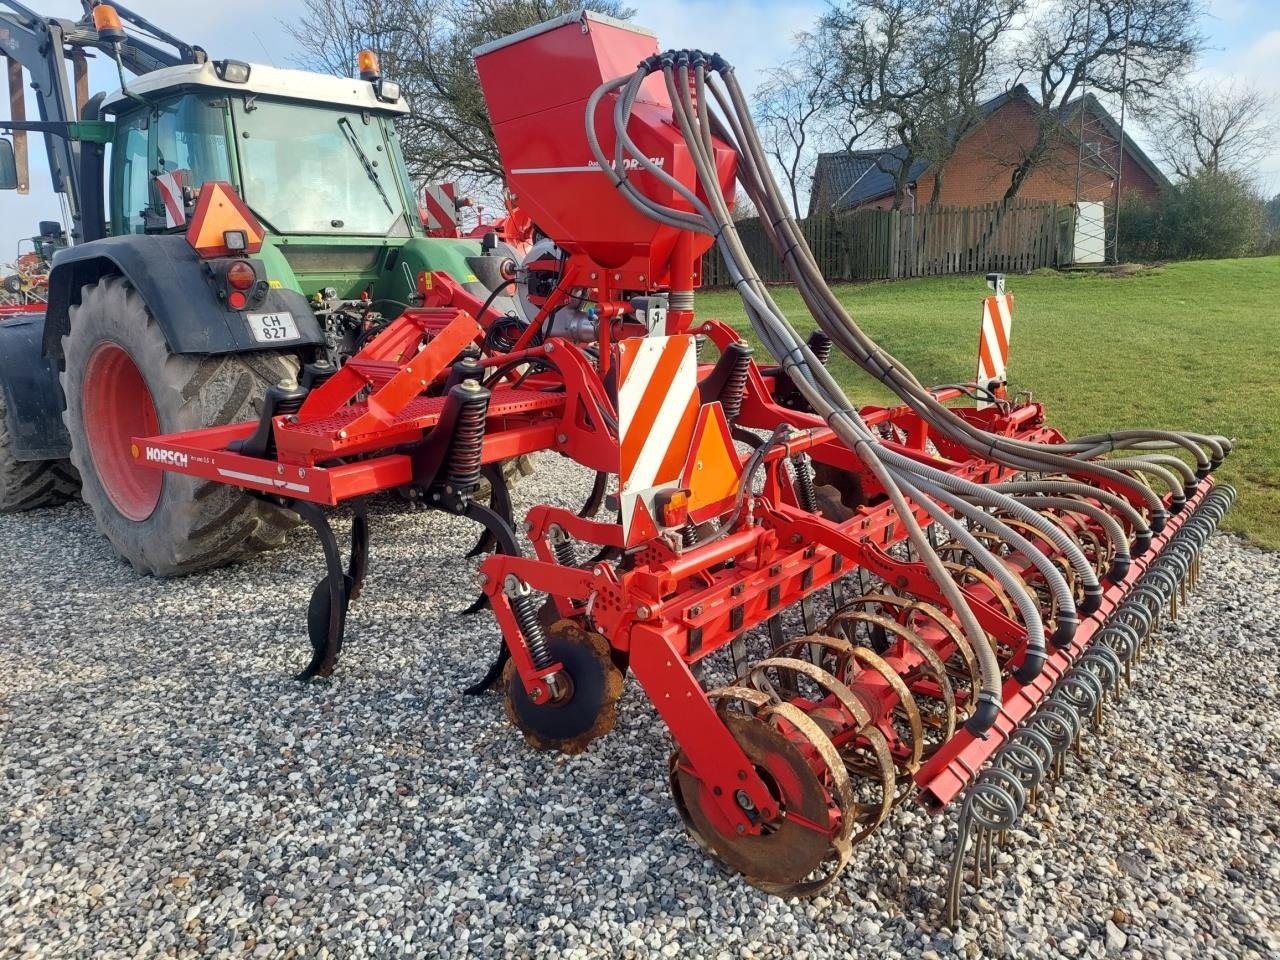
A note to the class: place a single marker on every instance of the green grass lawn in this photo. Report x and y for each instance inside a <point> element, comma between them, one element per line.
<point>1193,345</point>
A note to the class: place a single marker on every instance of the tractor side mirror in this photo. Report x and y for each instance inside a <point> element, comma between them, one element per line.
<point>8,166</point>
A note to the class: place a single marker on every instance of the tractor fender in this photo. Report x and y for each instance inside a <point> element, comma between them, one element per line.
<point>166,270</point>
<point>32,395</point>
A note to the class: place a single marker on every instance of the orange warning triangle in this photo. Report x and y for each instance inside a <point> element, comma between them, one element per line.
<point>713,471</point>
<point>219,211</point>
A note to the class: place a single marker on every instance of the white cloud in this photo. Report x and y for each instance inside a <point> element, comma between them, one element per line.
<point>1261,63</point>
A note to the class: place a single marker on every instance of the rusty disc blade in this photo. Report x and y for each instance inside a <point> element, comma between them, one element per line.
<point>589,708</point>
<point>795,843</point>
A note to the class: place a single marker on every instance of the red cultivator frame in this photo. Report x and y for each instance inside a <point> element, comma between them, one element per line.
<point>736,505</point>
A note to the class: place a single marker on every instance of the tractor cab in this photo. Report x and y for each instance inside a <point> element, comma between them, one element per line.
<point>316,159</point>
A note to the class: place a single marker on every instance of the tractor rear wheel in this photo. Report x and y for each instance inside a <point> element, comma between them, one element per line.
<point>121,381</point>
<point>25,485</point>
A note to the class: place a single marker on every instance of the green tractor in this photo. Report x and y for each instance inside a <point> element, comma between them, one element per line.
<point>143,332</point>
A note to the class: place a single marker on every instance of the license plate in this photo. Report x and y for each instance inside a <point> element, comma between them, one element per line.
<point>272,327</point>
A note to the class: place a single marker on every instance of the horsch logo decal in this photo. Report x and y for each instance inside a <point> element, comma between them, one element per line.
<point>170,458</point>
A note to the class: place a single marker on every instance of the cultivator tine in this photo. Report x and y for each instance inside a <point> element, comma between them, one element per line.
<point>808,616</point>
<point>595,499</point>
<point>327,611</point>
<point>497,526</point>
<point>492,676</point>
<point>1036,750</point>
<point>500,502</point>
<point>475,606</point>
<point>484,544</point>
<point>359,562</point>
<point>499,510</point>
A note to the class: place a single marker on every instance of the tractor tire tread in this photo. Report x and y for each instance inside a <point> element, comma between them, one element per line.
<point>27,485</point>
<point>198,525</point>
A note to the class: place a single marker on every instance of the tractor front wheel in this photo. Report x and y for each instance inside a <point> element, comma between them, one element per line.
<point>121,381</point>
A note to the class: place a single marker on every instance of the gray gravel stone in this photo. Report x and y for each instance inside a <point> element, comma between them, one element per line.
<point>166,788</point>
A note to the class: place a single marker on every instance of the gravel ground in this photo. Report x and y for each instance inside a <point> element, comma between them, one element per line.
<point>166,788</point>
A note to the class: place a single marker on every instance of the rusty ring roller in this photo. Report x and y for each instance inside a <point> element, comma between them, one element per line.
<point>910,605</point>
<point>959,570</point>
<point>906,698</point>
<point>842,795</point>
<point>762,707</point>
<point>868,816</point>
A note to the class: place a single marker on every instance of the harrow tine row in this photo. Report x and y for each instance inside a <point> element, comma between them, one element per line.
<point>1035,751</point>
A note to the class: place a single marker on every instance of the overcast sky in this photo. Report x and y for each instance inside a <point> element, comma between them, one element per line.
<point>1244,38</point>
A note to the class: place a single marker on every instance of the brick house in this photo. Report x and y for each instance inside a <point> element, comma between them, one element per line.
<point>979,171</point>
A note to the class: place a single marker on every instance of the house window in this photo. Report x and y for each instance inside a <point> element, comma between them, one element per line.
<point>1093,148</point>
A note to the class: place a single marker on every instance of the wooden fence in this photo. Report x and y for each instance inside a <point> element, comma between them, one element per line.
<point>896,244</point>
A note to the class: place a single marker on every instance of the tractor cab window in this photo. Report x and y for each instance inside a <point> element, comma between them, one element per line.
<point>191,140</point>
<point>316,170</point>
<point>131,174</point>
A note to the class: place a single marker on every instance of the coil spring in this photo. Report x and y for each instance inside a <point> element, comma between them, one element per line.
<point>806,495</point>
<point>735,385</point>
<point>465,452</point>
<point>689,534</point>
<point>820,345</point>
<point>1037,748</point>
<point>522,605</point>
<point>562,549</point>
<point>289,405</point>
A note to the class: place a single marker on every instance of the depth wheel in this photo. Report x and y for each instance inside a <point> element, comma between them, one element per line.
<point>587,707</point>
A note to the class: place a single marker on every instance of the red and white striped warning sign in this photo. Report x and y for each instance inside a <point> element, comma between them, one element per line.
<point>169,186</point>
<point>440,204</point>
<point>658,405</point>
<point>993,346</point>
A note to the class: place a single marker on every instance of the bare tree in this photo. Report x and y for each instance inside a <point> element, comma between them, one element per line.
<point>1131,48</point>
<point>975,34</point>
<point>793,112</point>
<point>920,69</point>
<point>426,46</point>
<point>1211,126</point>
<point>888,70</point>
